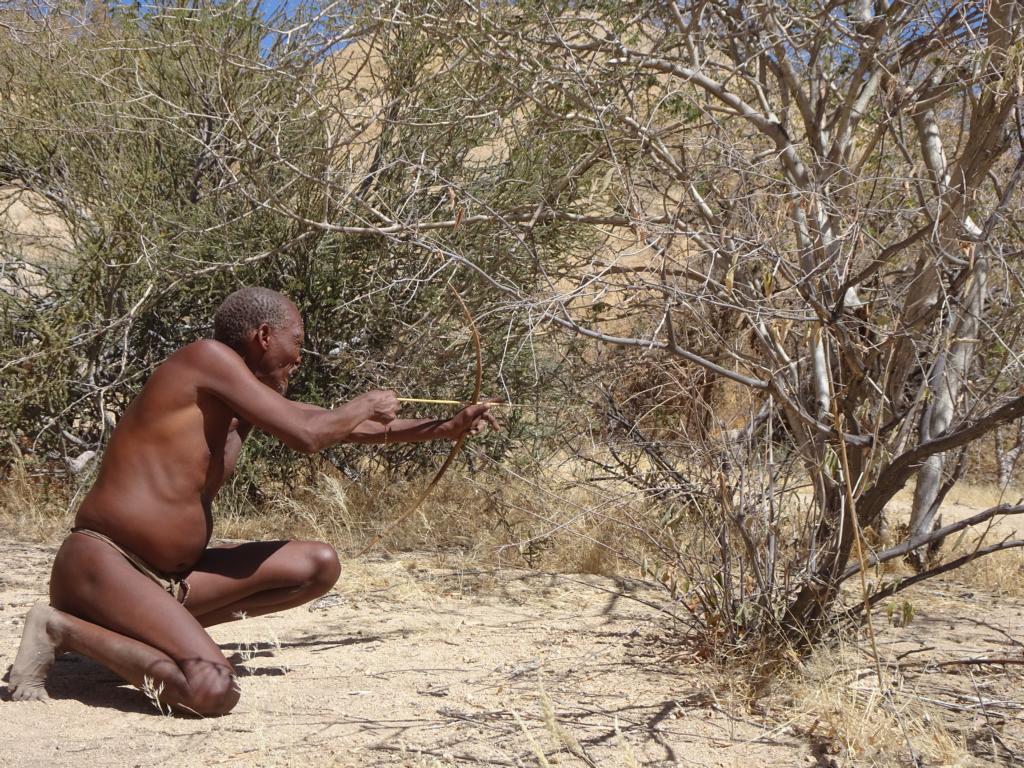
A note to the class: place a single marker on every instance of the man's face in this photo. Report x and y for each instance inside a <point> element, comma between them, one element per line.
<point>283,352</point>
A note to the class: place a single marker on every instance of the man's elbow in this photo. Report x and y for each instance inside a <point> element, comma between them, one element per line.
<point>310,442</point>
<point>316,434</point>
<point>306,441</point>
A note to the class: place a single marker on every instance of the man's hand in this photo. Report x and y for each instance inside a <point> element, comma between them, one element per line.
<point>381,405</point>
<point>472,420</point>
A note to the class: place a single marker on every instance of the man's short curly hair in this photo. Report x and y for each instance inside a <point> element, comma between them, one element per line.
<point>246,310</point>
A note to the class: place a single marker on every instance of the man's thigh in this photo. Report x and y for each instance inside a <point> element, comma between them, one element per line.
<point>226,575</point>
<point>93,581</point>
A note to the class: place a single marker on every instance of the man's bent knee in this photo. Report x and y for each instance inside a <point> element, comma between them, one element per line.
<point>324,565</point>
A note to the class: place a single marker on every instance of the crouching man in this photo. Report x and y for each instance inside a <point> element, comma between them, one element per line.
<point>135,583</point>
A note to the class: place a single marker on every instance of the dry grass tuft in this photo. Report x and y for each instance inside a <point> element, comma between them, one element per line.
<point>153,691</point>
<point>534,746</point>
<point>1001,573</point>
<point>545,520</point>
<point>319,511</point>
<point>833,698</point>
<point>629,758</point>
<point>33,509</point>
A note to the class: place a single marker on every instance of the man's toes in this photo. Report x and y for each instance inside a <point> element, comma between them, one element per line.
<point>26,692</point>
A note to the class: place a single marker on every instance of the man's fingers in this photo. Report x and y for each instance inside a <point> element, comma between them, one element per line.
<point>477,416</point>
<point>486,418</point>
<point>393,403</point>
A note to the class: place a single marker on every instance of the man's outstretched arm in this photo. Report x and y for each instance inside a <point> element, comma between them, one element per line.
<point>469,420</point>
<point>305,428</point>
<point>396,431</point>
<point>402,431</point>
<point>308,428</point>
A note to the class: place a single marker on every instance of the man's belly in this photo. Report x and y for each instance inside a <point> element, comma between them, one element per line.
<point>169,537</point>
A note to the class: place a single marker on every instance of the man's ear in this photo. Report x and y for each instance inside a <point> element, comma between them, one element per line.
<point>263,336</point>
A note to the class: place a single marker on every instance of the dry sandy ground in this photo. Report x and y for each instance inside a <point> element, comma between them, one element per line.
<point>404,660</point>
<point>416,666</point>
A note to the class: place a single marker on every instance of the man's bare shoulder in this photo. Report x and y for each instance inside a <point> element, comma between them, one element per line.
<point>207,348</point>
<point>215,368</point>
<point>201,365</point>
<point>207,354</point>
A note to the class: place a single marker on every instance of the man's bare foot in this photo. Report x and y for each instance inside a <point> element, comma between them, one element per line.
<point>36,653</point>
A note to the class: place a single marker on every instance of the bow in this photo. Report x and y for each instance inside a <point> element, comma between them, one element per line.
<point>457,447</point>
